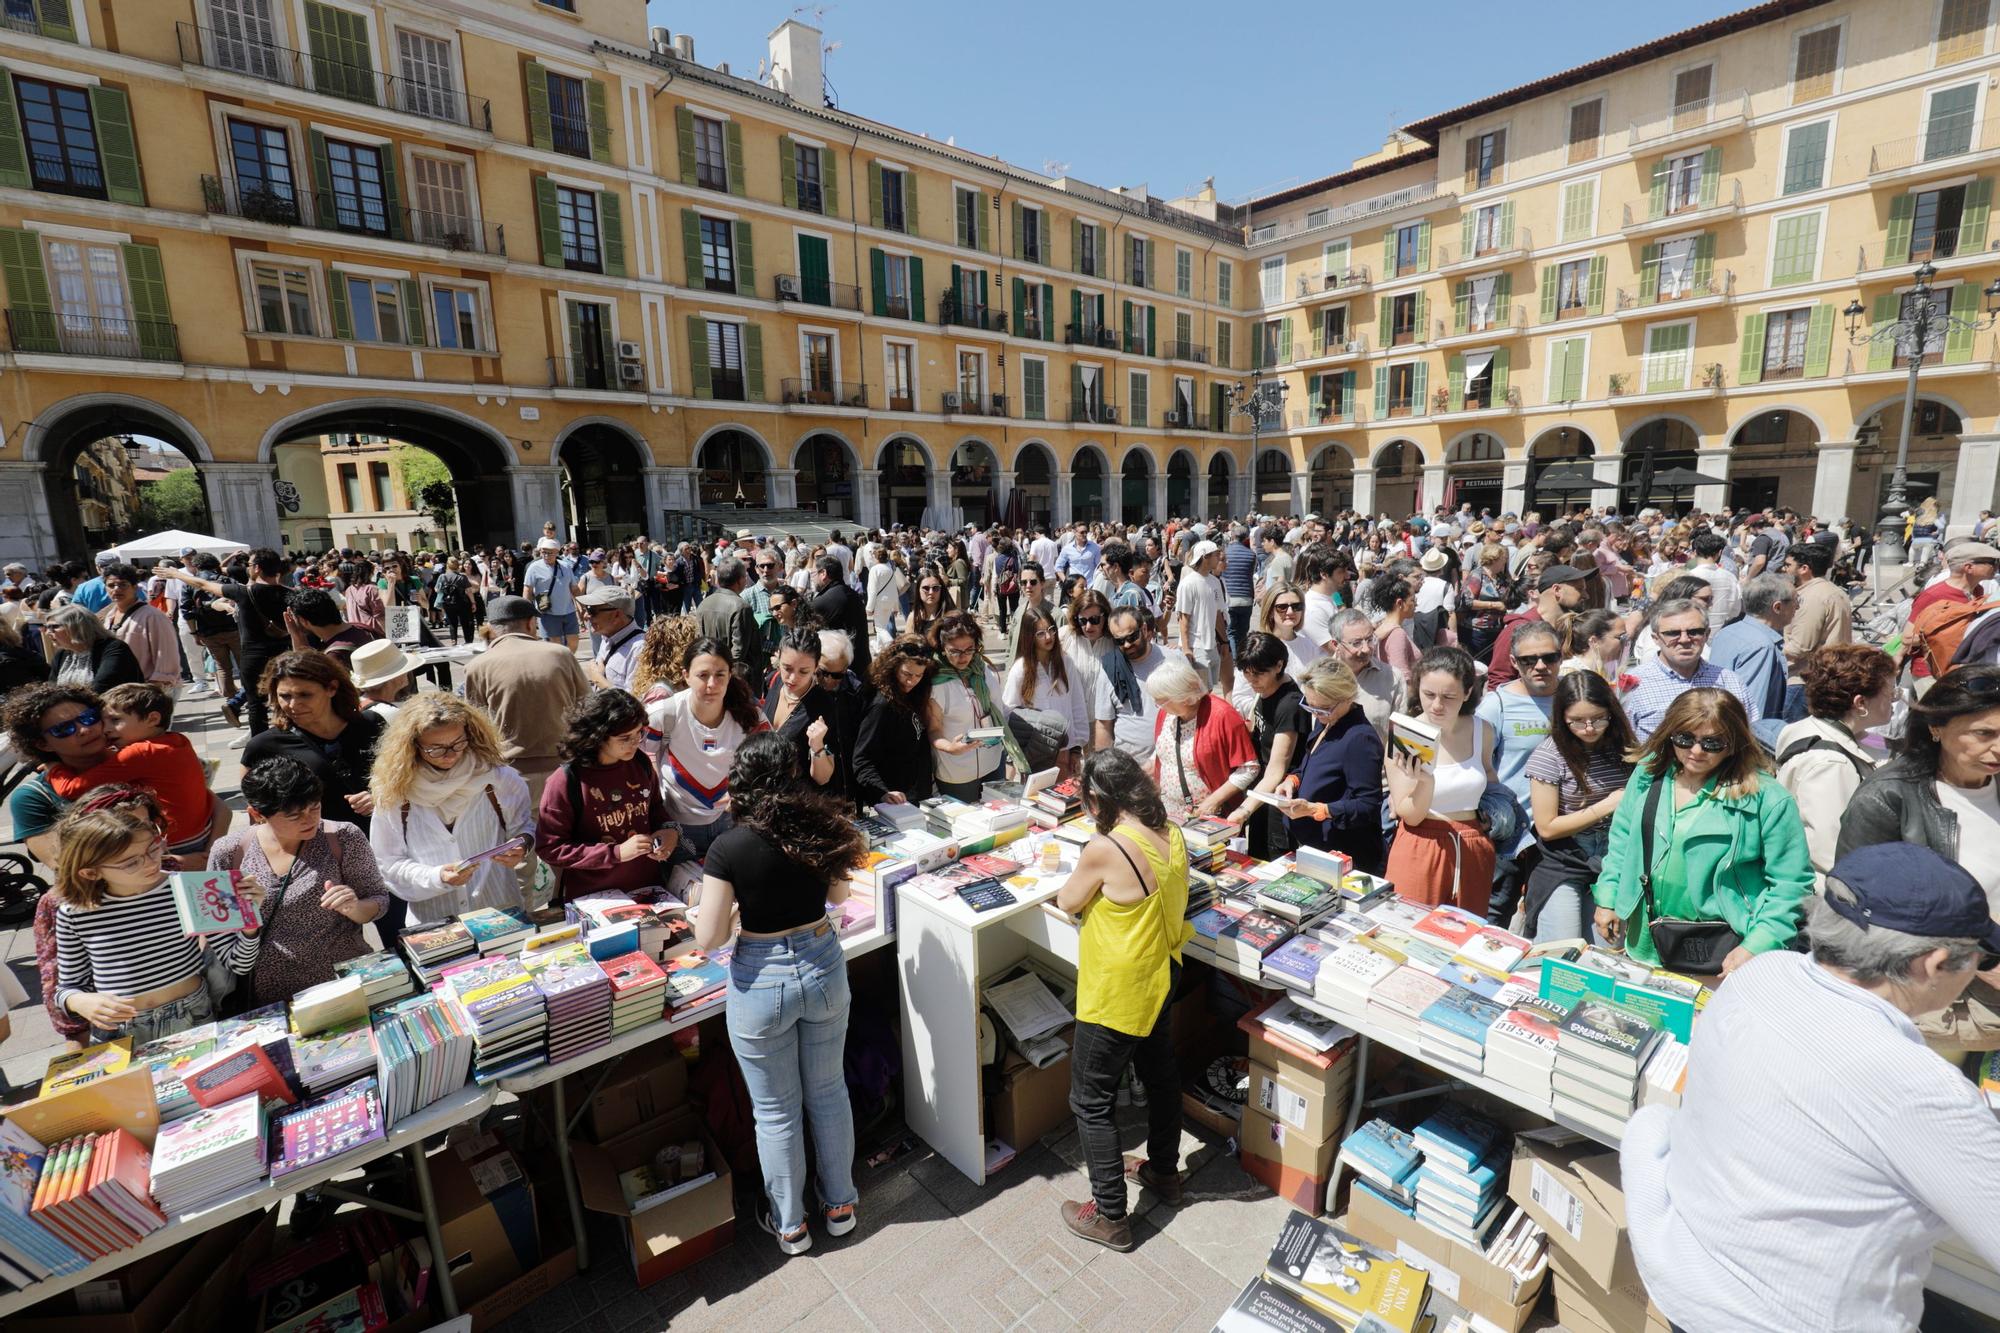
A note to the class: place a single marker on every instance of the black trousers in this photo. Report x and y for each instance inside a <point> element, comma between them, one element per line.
<point>256,709</point>
<point>1098,1062</point>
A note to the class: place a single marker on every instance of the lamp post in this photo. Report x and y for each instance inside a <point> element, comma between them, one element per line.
<point>1250,399</point>
<point>1909,335</point>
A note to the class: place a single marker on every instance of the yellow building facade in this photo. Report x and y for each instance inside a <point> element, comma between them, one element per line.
<point>609,284</point>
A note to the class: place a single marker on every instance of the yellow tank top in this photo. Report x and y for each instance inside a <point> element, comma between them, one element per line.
<point>1125,950</point>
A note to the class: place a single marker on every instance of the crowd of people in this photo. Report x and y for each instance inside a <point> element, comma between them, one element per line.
<point>1657,733</point>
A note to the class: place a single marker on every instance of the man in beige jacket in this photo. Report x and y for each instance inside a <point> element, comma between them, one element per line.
<point>526,684</point>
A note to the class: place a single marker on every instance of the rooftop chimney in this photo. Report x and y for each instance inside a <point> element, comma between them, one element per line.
<point>684,47</point>
<point>659,39</point>
<point>795,62</point>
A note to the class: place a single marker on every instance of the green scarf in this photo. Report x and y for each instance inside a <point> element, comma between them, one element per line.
<point>974,679</point>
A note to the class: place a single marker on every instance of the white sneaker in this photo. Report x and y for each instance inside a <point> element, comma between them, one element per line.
<point>798,1242</point>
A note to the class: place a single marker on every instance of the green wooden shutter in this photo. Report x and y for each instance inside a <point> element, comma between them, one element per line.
<point>683,139</point>
<point>336,300</point>
<point>322,174</point>
<point>343,64</point>
<point>875,194</point>
<point>1548,293</point>
<point>1423,246</point>
<point>1020,295</point>
<point>1750,356</point>
<point>1454,380</point>
<point>1075,245</point>
<point>56,21</point>
<point>829,183</point>
<point>1503,296</point>
<point>1972,219</point>
<point>1656,204</point>
<point>1126,344</point>
<point>1711,168</point>
<point>28,290</point>
<point>1347,393</point>
<point>1048,312</point>
<point>1075,387</point>
<point>1385,321</point>
<point>1902,211</point>
<point>1153,329</point>
<point>1014,215</point>
<point>878,275</point>
<point>413,313</point>
<point>746,260</point>
<point>611,233</point>
<point>916,289</point>
<point>14,171</point>
<point>146,276</point>
<point>1882,352</point>
<point>1389,252</point>
<point>1819,340</point>
<point>542,135</point>
<point>1466,237</point>
<point>982,224</point>
<point>1461,306</point>
<point>732,139</point>
<point>788,166</point>
<point>697,341</point>
<point>691,246</point>
<point>909,179</point>
<point>1285,341</point>
<point>1076,311</point>
<point>1573,372</point>
<point>573,322</point>
<point>112,111</point>
<point>1256,347</point>
<point>392,193</point>
<point>1507,224</point>
<point>1558,372</point>
<point>1218,407</point>
<point>1312,388</point>
<point>1420,385</point>
<point>1139,388</point>
<point>597,109</point>
<point>1381,392</point>
<point>1034,390</point>
<point>548,220</point>
<point>1502,360</point>
<point>1649,274</point>
<point>1795,250</point>
<point>1964,306</point>
<point>753,362</point>
<point>1594,302</point>
<point>1224,335</point>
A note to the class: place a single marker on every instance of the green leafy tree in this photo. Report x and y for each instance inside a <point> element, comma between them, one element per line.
<point>174,501</point>
<point>427,481</point>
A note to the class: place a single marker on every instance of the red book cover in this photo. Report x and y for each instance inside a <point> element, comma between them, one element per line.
<point>1450,925</point>
<point>128,1180</point>
<point>90,1198</point>
<point>235,1072</point>
<point>632,971</point>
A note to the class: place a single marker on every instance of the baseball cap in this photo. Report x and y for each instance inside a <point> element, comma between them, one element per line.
<point>509,607</point>
<point>1201,551</point>
<point>606,599</point>
<point>595,557</point>
<point>1555,574</point>
<point>106,559</point>
<point>1905,887</point>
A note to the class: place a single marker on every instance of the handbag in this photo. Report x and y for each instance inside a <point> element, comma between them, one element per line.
<point>1683,946</point>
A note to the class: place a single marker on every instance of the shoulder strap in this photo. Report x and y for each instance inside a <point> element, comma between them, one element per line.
<point>1811,743</point>
<point>498,814</point>
<point>1118,842</point>
<point>1646,819</point>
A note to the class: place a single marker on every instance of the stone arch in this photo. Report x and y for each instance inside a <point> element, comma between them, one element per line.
<point>1412,453</point>
<point>1625,433</point>
<point>1025,447</point>
<point>1135,484</point>
<point>732,470</point>
<point>639,444</point>
<point>1320,451</point>
<point>826,470</point>
<point>1271,487</point>
<point>1554,432</point>
<point>324,418</point>
<point>1183,468</point>
<point>1220,481</point>
<point>88,451</point>
<point>797,459</point>
<point>1773,458</point>
<point>974,465</point>
<point>1818,425</point>
<point>904,437</point>
<point>1894,402</point>
<point>1330,467</point>
<point>1090,479</point>
<point>602,462</point>
<point>35,446</point>
<point>694,453</point>
<point>1475,471</point>
<point>1399,474</point>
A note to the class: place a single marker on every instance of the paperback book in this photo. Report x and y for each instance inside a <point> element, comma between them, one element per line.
<point>212,902</point>
<point>326,1127</point>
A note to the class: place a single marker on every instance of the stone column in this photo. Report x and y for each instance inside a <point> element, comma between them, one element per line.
<point>1301,493</point>
<point>1436,477</point>
<point>1243,490</point>
<point>1514,486</point>
<point>27,530</point>
<point>1003,491</point>
<point>1364,491</point>
<point>1158,493</point>
<point>1605,468</point>
<point>242,503</point>
<point>937,490</point>
<point>1713,459</point>
<point>679,486</point>
<point>537,495</point>
<point>1059,502</point>
<point>1833,480</point>
<point>781,488</point>
<point>1973,483</point>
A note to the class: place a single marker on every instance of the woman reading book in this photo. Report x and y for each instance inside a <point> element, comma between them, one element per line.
<point>1333,794</point>
<point>445,798</point>
<point>1441,853</point>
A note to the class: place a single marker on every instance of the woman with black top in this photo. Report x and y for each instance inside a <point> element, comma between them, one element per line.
<point>321,723</point>
<point>87,654</point>
<point>892,760</point>
<point>260,624</point>
<point>787,858</point>
<point>803,713</point>
<point>1278,726</point>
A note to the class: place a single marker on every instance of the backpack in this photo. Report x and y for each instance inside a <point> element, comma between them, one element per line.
<point>1797,748</point>
<point>1939,627</point>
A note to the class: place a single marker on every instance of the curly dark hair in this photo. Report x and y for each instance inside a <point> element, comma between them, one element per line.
<point>281,786</point>
<point>1116,786</point>
<point>957,625</point>
<point>26,705</point>
<point>1835,674</point>
<point>595,719</point>
<point>883,667</point>
<point>311,665</point>
<point>768,795</point>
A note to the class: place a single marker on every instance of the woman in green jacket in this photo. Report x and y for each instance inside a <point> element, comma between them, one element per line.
<point>1728,843</point>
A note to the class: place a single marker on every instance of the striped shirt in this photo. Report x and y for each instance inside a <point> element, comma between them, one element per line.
<point>129,946</point>
<point>1659,685</point>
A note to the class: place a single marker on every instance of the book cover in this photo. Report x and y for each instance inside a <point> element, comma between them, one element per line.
<point>632,972</point>
<point>327,1126</point>
<point>1211,921</point>
<point>1521,1027</point>
<point>1389,1152</point>
<point>1297,961</point>
<point>1493,948</point>
<point>1609,1035</point>
<point>1355,968</point>
<point>1265,1307</point>
<point>439,941</point>
<point>694,976</point>
<point>1460,1013</point>
<point>1415,737</point>
<point>329,1004</point>
<point>208,1133</point>
<point>209,902</point>
<point>1457,1135</point>
<point>76,1068</point>
<point>1449,926</point>
<point>1567,982</point>
<point>1344,1275</point>
<point>1664,1007</point>
<point>1407,991</point>
<point>224,1076</point>
<point>1255,934</point>
<point>491,928</point>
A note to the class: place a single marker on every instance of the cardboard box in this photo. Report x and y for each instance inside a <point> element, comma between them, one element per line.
<point>486,1216</point>
<point>1307,1105</point>
<point>1324,1079</point>
<point>1582,1306</point>
<point>1459,1271</point>
<point>651,1081</point>
<point>185,1287</point>
<point>1295,1166</point>
<point>557,1267</point>
<point>669,1236</point>
<point>1029,1102</point>
<point>1573,1192</point>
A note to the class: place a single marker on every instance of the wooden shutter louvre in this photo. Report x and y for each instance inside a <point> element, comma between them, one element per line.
<point>1964,306</point>
<point>1048,312</point>
<point>683,140</point>
<point>753,362</point>
<point>14,172</point>
<point>1704,262</point>
<point>1819,340</point>
<point>548,221</point>
<point>1594,302</point>
<point>1549,293</point>
<point>1902,215</point>
<point>916,289</point>
<point>1498,376</point>
<point>829,183</point>
<point>1461,306</point>
<point>146,277</point>
<point>55,20</point>
<point>875,195</point>
<point>413,313</point>
<point>336,301</point>
<point>1020,295</point>
<point>1711,167</point>
<point>732,139</point>
<point>788,167</point>
<point>691,247</point>
<point>1656,205</point>
<point>1649,274</point>
<point>698,372</point>
<point>1973,217</point>
<point>1882,351</point>
<point>745,258</point>
<point>597,111</point>
<point>1750,356</point>
<point>878,276</point>
<point>1454,378</point>
<point>117,145</point>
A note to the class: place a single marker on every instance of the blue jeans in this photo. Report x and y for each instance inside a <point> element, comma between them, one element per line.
<point>787,1012</point>
<point>696,839</point>
<point>1239,627</point>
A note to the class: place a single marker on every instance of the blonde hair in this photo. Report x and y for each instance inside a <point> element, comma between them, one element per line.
<point>1330,679</point>
<point>659,659</point>
<point>396,754</point>
<point>89,837</point>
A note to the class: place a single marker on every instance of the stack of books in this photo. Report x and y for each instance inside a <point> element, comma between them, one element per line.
<point>1494,949</point>
<point>1296,962</point>
<point>202,1158</point>
<point>429,948</point>
<point>664,930</point>
<point>1061,800</point>
<point>508,1016</point>
<point>577,995</point>
<point>330,1004</point>
<point>941,816</point>
<point>638,991</point>
<point>1449,926</point>
<point>1665,1076</point>
<point>1452,1029</point>
<point>28,1253</point>
<point>96,1193</point>
<point>496,931</point>
<point>875,830</point>
<point>1600,1050</point>
<point>327,1127</point>
<point>424,1052</point>
<point>1462,1183</point>
<point>335,1058</point>
<point>1399,999</point>
<point>1521,1046</point>
<point>991,819</point>
<point>1352,971</point>
<point>229,1072</point>
<point>1298,897</point>
<point>1386,1160</point>
<point>1520,1246</point>
<point>1360,1285</point>
<point>384,977</point>
<point>903,818</point>
<point>1329,868</point>
<point>169,1057</point>
<point>1212,920</point>
<point>1249,938</point>
<point>697,979</point>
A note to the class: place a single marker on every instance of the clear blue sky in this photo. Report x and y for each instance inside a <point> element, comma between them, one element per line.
<point>1258,95</point>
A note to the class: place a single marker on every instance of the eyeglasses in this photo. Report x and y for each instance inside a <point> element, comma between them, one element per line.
<point>1127,640</point>
<point>960,654</point>
<point>1090,620</point>
<point>459,746</point>
<point>1698,632</point>
<point>1587,723</point>
<point>1046,632</point>
<point>1687,740</point>
<point>1288,608</point>
<point>154,850</point>
<point>766,565</point>
<point>1537,659</point>
<point>83,721</point>
<point>825,674</point>
<point>1358,645</point>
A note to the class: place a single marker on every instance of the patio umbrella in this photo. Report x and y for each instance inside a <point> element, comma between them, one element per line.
<point>1675,479</point>
<point>1567,478</point>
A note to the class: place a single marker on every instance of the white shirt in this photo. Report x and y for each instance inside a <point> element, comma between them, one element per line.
<point>1320,612</point>
<point>1821,1151</point>
<point>620,656</point>
<point>1043,551</point>
<point>1069,703</point>
<point>410,860</point>
<point>1978,813</point>
<point>1200,600</point>
<point>1728,602</point>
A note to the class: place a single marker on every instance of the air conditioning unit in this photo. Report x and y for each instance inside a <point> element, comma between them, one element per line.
<point>628,351</point>
<point>999,402</point>
<point>951,401</point>
<point>631,372</point>
<point>1177,418</point>
<point>788,287</point>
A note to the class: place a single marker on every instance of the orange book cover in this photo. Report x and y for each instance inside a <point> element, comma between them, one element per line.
<point>91,1197</point>
<point>67,1205</point>
<point>61,1166</point>
<point>128,1176</point>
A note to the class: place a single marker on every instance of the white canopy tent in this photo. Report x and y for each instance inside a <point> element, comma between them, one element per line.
<point>172,542</point>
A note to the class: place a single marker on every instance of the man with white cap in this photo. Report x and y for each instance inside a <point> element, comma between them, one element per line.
<point>551,584</point>
<point>91,594</point>
<point>617,635</point>
<point>1204,625</point>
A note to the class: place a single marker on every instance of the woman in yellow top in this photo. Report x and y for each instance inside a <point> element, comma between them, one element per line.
<point>1131,888</point>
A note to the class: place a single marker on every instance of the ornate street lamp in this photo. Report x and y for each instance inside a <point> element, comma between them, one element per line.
<point>1254,397</point>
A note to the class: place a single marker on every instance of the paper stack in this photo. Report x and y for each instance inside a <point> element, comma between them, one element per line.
<point>1386,1160</point>
<point>508,1015</point>
<point>495,931</point>
<point>335,1057</point>
<point>1600,1050</point>
<point>578,998</point>
<point>326,1127</point>
<point>1352,971</point>
<point>1296,962</point>
<point>1400,998</point>
<point>1452,1029</point>
<point>96,1194</point>
<point>638,991</point>
<point>202,1158</point>
<point>1463,1179</point>
<point>431,947</point>
<point>331,1004</point>
<point>1521,1046</point>
<point>1031,1015</point>
<point>383,976</point>
<point>424,1051</point>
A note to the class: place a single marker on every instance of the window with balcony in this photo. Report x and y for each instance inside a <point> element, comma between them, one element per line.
<point>1487,234</point>
<point>725,360</point>
<point>569,117</point>
<point>60,138</point>
<point>375,308</point>
<point>1478,381</point>
<point>1961,31</point>
<point>711,160</point>
<point>576,216</point>
<point>807,164</point>
<point>892,200</point>
<point>1263,231</point>
<point>1572,288</point>
<point>1225,335</point>
<point>1785,343</point>
<point>458,311</point>
<point>441,194</point>
<point>1948,121</point>
<point>283,295</point>
<point>899,361</point>
<point>93,308</point>
<point>1693,95</point>
<point>816,359</point>
<point>1031,236</point>
<point>1669,357</point>
<point>1675,269</point>
<point>1684,181</point>
<point>1183,333</point>
<point>1482,303</point>
<point>718,254</point>
<point>1814,61</point>
<point>356,188</point>
<point>1138,258</point>
<point>896,285</point>
<point>1271,342</point>
<point>1335,259</point>
<point>1225,282</point>
<point>1805,157</point>
<point>967,203</point>
<point>1934,219</point>
<point>1090,403</point>
<point>260,158</point>
<point>1183,273</point>
<point>429,81</point>
<point>1485,157</point>
<point>1333,329</point>
<point>1586,126</point>
<point>1403,320</point>
<point>1035,313</point>
<point>1409,249</point>
<point>971,380</point>
<point>1334,400</point>
<point>969,296</point>
<point>1271,276</point>
<point>1403,389</point>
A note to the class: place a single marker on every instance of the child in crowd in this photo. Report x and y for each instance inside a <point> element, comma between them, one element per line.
<point>604,824</point>
<point>145,754</point>
<point>123,963</point>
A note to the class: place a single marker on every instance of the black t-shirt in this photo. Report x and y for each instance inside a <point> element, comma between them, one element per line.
<point>774,892</point>
<point>260,616</point>
<point>1277,713</point>
<point>342,763</point>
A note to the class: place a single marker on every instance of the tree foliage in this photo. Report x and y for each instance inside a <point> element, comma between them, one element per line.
<point>427,481</point>
<point>174,501</point>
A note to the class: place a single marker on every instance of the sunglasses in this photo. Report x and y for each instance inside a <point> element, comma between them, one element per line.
<point>1537,659</point>
<point>83,721</point>
<point>1090,620</point>
<point>1288,608</point>
<point>1686,740</point>
<point>824,674</point>
<point>1700,632</point>
<point>1127,640</point>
